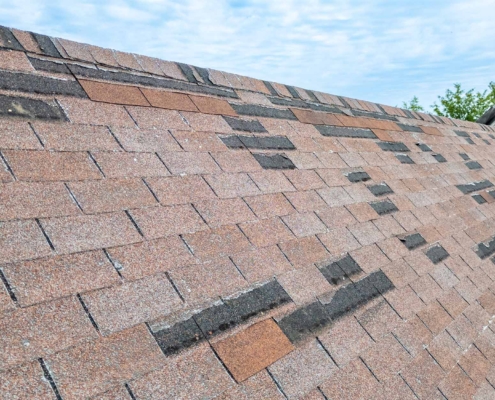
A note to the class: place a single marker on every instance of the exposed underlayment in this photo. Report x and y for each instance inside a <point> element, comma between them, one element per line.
<point>175,232</point>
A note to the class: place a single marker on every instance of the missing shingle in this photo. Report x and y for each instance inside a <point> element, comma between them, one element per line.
<point>478,198</point>
<point>439,158</point>
<point>384,207</point>
<point>337,131</point>
<point>46,45</point>
<point>180,336</point>
<point>404,159</point>
<point>359,176</point>
<point>474,186</point>
<point>49,378</point>
<point>393,146</point>
<point>254,110</point>
<point>380,189</point>
<point>238,124</point>
<point>464,156</point>
<point>423,147</point>
<point>410,128</point>
<point>436,254</point>
<point>274,161</point>
<point>473,165</point>
<point>413,241</point>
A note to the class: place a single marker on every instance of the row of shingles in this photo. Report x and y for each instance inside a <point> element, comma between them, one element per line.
<point>119,352</point>
<point>30,331</point>
<point>387,348</point>
<point>141,63</point>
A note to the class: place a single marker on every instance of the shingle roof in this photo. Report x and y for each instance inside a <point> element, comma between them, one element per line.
<point>175,232</point>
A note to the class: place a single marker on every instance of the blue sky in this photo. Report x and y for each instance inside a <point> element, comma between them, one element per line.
<point>379,50</point>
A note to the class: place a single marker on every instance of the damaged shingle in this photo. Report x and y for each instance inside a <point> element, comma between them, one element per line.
<point>464,156</point>
<point>267,142</point>
<point>338,271</point>
<point>486,249</point>
<point>410,128</point>
<point>305,320</point>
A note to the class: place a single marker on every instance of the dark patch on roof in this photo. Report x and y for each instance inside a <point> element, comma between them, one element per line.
<point>179,336</point>
<point>410,128</point>
<point>46,45</point>
<point>436,254</point>
<point>8,40</point>
<point>423,146</point>
<point>474,186</point>
<point>260,111</point>
<point>274,161</point>
<point>30,108</point>
<point>413,241</point>
<point>338,131</point>
<point>49,66</point>
<point>244,125</point>
<point>40,84</point>
<point>359,176</point>
<point>384,207</point>
<point>188,72</point>
<point>393,146</point>
<point>464,156</point>
<point>404,159</point>
<point>380,189</point>
<point>478,198</point>
<point>439,158</point>
<point>473,165</point>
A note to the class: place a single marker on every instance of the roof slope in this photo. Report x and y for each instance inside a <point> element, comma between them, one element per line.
<point>175,232</point>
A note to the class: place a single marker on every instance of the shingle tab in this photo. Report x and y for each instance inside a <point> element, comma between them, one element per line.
<point>274,161</point>
<point>384,207</point>
<point>393,146</point>
<point>260,111</point>
<point>245,125</point>
<point>337,131</point>
<point>436,254</point>
<point>380,189</point>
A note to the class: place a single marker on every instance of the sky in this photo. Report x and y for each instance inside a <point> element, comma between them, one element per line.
<point>384,51</point>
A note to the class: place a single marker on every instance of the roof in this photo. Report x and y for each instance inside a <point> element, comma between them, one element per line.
<point>176,232</point>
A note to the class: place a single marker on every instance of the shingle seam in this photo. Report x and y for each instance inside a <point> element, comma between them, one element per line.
<point>49,378</point>
<point>88,313</point>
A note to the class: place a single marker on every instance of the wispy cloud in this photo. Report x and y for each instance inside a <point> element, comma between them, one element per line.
<point>381,50</point>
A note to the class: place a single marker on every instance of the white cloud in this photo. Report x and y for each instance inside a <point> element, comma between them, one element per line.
<point>380,50</point>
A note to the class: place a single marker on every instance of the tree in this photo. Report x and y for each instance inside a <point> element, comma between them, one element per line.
<point>467,106</point>
<point>413,105</point>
